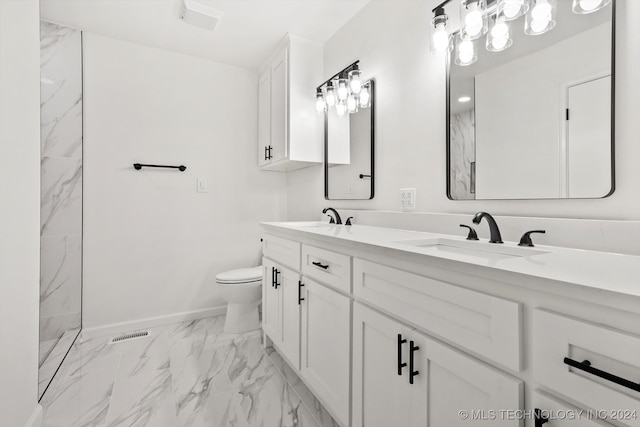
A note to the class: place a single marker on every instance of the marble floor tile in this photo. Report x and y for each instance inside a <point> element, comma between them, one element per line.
<point>183,375</point>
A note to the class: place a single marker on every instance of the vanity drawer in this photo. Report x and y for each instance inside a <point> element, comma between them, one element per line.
<point>328,267</point>
<point>282,251</point>
<point>562,414</point>
<point>557,340</point>
<point>484,324</point>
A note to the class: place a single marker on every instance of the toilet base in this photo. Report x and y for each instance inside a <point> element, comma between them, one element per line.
<point>241,318</point>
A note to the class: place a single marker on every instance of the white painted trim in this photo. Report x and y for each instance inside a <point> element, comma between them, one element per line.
<point>150,322</point>
<point>35,420</point>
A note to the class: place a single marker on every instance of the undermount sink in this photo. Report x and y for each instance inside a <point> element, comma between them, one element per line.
<point>478,250</point>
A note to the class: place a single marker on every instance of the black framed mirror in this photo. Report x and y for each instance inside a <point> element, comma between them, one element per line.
<point>535,120</point>
<point>349,139</point>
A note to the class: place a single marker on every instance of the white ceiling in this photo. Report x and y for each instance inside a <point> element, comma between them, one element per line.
<point>245,36</point>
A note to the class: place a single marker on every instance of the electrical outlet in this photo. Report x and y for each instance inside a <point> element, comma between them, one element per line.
<point>408,198</point>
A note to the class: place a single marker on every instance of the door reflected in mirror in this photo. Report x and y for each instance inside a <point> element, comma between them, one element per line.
<point>535,121</point>
<point>349,142</point>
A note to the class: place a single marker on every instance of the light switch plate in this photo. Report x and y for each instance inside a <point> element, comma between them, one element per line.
<point>202,185</point>
<point>408,198</point>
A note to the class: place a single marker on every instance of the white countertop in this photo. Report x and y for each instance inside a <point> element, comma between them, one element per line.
<point>598,270</point>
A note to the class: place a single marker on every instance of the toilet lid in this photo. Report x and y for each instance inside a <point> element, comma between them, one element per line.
<point>241,275</point>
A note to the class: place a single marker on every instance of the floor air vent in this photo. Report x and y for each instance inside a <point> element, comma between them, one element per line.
<point>129,336</point>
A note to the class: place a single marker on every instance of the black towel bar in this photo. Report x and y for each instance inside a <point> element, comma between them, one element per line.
<point>139,166</point>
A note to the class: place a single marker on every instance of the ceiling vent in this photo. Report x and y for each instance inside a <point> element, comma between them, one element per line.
<point>197,13</point>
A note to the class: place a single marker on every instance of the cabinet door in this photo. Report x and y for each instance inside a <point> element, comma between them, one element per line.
<point>562,414</point>
<point>270,301</point>
<point>289,344</point>
<point>380,395</point>
<point>279,107</point>
<point>326,326</point>
<point>264,117</point>
<point>448,382</point>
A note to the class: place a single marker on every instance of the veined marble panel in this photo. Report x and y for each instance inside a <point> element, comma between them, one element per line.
<point>51,358</point>
<point>60,51</point>
<point>61,196</point>
<point>463,153</point>
<point>53,327</point>
<point>60,275</point>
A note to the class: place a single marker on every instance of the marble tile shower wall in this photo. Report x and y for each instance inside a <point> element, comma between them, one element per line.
<point>463,153</point>
<point>61,183</point>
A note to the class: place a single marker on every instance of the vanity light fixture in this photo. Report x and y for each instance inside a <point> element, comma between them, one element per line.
<point>345,91</point>
<point>588,6</point>
<point>493,18</point>
<point>439,32</point>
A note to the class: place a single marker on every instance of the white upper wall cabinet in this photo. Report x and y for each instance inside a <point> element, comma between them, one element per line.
<point>289,129</point>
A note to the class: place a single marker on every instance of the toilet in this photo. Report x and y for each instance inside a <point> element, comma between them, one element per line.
<point>242,290</point>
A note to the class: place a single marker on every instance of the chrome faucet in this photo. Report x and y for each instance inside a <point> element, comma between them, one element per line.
<point>493,226</point>
<point>337,219</point>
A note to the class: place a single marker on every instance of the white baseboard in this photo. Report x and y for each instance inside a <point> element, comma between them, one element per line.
<point>35,420</point>
<point>150,322</point>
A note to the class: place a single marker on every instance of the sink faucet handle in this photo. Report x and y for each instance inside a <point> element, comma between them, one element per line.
<point>472,233</point>
<point>348,222</point>
<point>331,220</point>
<point>525,240</point>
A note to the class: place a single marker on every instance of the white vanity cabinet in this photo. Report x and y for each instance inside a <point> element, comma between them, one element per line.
<point>404,378</point>
<point>289,129</point>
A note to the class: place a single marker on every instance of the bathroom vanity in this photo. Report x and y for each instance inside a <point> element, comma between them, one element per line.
<point>400,328</point>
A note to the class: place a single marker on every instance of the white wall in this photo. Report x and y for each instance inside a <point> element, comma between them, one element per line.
<point>390,38</point>
<point>19,209</point>
<point>153,245</point>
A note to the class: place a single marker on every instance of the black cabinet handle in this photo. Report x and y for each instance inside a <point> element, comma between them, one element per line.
<point>412,348</point>
<point>268,152</point>
<point>273,276</point>
<point>275,280</point>
<point>300,285</point>
<point>319,264</point>
<point>539,418</point>
<point>400,363</point>
<point>585,365</point>
<point>265,153</point>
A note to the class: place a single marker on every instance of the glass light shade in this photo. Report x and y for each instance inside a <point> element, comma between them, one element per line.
<point>330,95</point>
<point>540,18</point>
<point>364,100</point>
<point>465,51</point>
<point>512,9</point>
<point>474,18</point>
<point>320,104</point>
<point>343,89</point>
<point>341,108</point>
<point>439,32</point>
<point>498,37</point>
<point>589,6</point>
<point>352,103</point>
<point>355,84</point>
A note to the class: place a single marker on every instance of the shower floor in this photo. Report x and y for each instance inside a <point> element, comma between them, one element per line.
<point>187,374</point>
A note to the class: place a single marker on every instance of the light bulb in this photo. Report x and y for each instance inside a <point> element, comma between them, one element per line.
<point>511,9</point>
<point>500,30</point>
<point>343,90</point>
<point>465,52</point>
<point>364,97</point>
<point>355,84</point>
<point>538,25</point>
<point>341,108</point>
<point>473,20</point>
<point>331,95</point>
<point>320,105</point>
<point>352,103</point>
<point>590,5</point>
<point>440,38</point>
<point>541,10</point>
<point>499,43</point>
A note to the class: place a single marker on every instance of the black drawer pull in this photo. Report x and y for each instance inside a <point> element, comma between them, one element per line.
<point>586,366</point>
<point>400,363</point>
<point>412,348</point>
<point>275,279</point>
<point>300,285</point>
<point>539,418</point>
<point>319,264</point>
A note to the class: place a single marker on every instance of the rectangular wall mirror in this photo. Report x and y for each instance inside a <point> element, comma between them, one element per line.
<point>348,152</point>
<point>534,121</point>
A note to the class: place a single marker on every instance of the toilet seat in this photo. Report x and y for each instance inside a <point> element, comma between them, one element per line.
<point>241,275</point>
